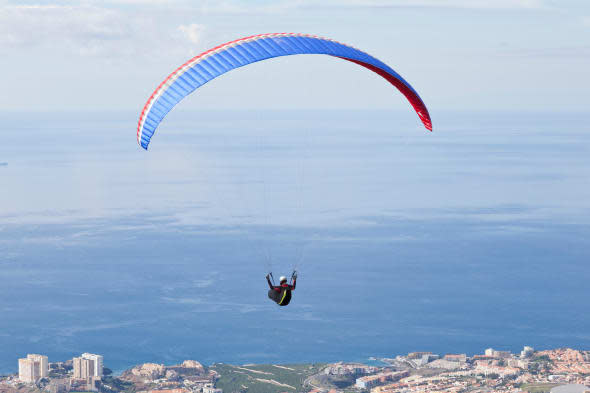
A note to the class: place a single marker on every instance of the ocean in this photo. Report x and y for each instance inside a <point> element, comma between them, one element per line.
<point>473,236</point>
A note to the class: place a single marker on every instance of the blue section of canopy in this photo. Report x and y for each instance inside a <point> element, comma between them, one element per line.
<point>242,53</point>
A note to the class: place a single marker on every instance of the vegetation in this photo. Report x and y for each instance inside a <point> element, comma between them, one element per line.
<point>264,378</point>
<point>116,385</point>
<point>538,387</point>
<point>329,382</point>
<point>59,370</point>
<point>542,359</point>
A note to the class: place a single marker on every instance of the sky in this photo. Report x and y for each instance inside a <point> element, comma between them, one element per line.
<point>488,55</point>
<point>332,156</point>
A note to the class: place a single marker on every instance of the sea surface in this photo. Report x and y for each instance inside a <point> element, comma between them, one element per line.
<point>476,235</point>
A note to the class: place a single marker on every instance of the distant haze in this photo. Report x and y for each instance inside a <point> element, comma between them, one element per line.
<point>469,237</point>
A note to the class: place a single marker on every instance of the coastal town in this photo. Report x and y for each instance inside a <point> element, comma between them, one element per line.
<point>562,370</point>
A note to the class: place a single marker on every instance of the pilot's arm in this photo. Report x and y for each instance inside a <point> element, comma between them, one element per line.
<point>268,281</point>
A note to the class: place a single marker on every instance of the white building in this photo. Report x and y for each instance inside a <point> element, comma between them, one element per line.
<point>26,370</point>
<point>374,380</point>
<point>32,368</point>
<point>88,365</point>
<point>527,352</point>
<point>83,368</point>
<point>497,354</point>
<point>97,359</point>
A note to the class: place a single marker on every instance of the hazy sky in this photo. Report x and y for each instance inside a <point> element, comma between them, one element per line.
<point>459,54</point>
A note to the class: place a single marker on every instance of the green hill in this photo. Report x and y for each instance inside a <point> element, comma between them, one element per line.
<point>264,378</point>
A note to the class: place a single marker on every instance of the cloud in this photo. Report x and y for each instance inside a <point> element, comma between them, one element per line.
<point>185,300</point>
<point>73,330</point>
<point>484,4</point>
<point>91,30</point>
<point>205,283</point>
<point>213,305</point>
<point>239,6</point>
<point>193,32</point>
<point>128,28</point>
<point>143,2</point>
<point>87,29</point>
<point>554,52</point>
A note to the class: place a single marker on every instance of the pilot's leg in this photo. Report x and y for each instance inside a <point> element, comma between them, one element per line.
<point>272,294</point>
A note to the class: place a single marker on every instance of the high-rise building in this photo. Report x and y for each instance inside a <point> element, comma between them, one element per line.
<point>26,370</point>
<point>42,363</point>
<point>76,364</point>
<point>97,359</point>
<point>88,365</point>
<point>83,368</point>
<point>33,368</point>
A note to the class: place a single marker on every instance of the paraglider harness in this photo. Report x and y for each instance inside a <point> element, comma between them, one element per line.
<point>281,294</point>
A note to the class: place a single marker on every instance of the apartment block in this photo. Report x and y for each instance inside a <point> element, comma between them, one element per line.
<point>88,365</point>
<point>32,368</point>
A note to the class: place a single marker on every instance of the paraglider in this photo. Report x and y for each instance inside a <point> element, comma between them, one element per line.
<point>238,53</point>
<point>226,57</point>
<point>281,294</point>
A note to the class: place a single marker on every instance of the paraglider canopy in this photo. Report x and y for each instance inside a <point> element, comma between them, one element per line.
<point>226,57</point>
